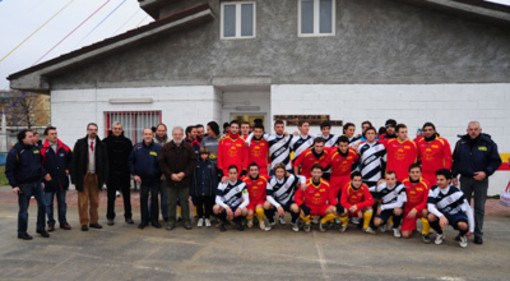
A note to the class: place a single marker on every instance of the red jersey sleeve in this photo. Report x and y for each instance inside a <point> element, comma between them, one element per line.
<point>245,152</point>
<point>447,153</point>
<point>423,203</point>
<point>343,198</point>
<point>299,160</point>
<point>368,199</point>
<point>299,197</point>
<point>220,155</point>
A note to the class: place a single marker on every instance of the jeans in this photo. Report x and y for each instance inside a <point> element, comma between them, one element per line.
<point>175,193</point>
<point>479,188</point>
<point>144,196</point>
<point>28,190</point>
<point>126,196</point>
<point>61,206</point>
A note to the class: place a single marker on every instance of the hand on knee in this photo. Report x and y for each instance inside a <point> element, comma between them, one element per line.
<point>397,211</point>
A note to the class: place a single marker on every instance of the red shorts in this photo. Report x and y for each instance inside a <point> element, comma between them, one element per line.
<point>318,210</point>
<point>409,224</point>
<point>253,204</point>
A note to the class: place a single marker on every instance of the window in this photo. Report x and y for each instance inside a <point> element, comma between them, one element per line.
<point>133,122</point>
<point>237,20</point>
<point>316,17</point>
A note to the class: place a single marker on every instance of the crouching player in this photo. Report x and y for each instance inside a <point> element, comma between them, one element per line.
<point>316,200</point>
<point>256,185</point>
<point>417,192</point>
<point>356,201</point>
<point>393,196</point>
<point>231,200</point>
<point>447,205</point>
<point>280,196</point>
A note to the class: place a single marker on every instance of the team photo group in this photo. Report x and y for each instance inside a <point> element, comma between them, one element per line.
<point>242,177</point>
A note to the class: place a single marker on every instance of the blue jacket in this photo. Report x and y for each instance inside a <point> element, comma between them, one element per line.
<point>470,156</point>
<point>205,179</point>
<point>23,165</point>
<point>56,164</point>
<point>143,162</point>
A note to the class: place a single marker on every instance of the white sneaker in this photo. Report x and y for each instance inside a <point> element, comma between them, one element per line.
<point>207,223</point>
<point>463,242</point>
<point>396,233</point>
<point>369,230</point>
<point>262,225</point>
<point>295,227</point>
<point>282,221</point>
<point>307,227</point>
<point>439,239</point>
<point>200,222</point>
<point>343,228</point>
<point>117,193</point>
<point>249,223</point>
<point>316,219</point>
<point>268,227</point>
<point>337,221</point>
<point>355,221</point>
<point>322,227</point>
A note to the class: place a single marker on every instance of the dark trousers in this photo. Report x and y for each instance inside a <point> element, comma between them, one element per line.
<point>28,190</point>
<point>61,206</point>
<point>153,189</point>
<point>204,206</point>
<point>181,194</point>
<point>479,188</point>
<point>163,191</point>
<point>126,196</point>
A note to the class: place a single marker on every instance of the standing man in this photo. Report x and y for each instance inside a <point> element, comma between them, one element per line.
<point>162,138</point>
<point>177,161</point>
<point>24,171</point>
<point>349,129</point>
<point>311,157</point>
<point>390,127</point>
<point>89,173</point>
<point>232,150</point>
<point>402,152</point>
<point>143,165</point>
<point>258,152</point>
<point>372,159</point>
<point>330,139</point>
<point>118,147</point>
<point>200,132</point>
<point>434,153</point>
<point>302,141</point>
<point>57,159</point>
<point>475,158</point>
<point>245,129</point>
<point>343,161</point>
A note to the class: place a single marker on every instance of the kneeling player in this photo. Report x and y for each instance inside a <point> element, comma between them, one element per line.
<point>317,200</point>
<point>280,196</point>
<point>393,196</point>
<point>256,185</point>
<point>231,200</point>
<point>417,192</point>
<point>447,205</point>
<point>356,201</point>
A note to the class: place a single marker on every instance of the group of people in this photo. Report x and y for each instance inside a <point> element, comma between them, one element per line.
<point>246,176</point>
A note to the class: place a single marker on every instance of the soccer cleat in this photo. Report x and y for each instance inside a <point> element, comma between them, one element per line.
<point>337,221</point>
<point>425,238</point>
<point>316,220</point>
<point>249,223</point>
<point>200,222</point>
<point>370,230</point>
<point>295,226</point>
<point>343,228</point>
<point>282,221</point>
<point>439,238</point>
<point>463,241</point>
<point>396,233</point>
<point>272,223</point>
<point>355,221</point>
<point>322,226</point>
<point>307,227</point>
<point>388,227</point>
<point>207,223</point>
<point>268,227</point>
<point>222,227</point>
<point>262,225</point>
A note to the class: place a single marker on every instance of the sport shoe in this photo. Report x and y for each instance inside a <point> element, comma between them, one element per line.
<point>222,227</point>
<point>307,227</point>
<point>343,228</point>
<point>463,243</point>
<point>268,227</point>
<point>249,223</point>
<point>272,223</point>
<point>355,221</point>
<point>282,221</point>
<point>439,238</point>
<point>295,226</point>
<point>478,240</point>
<point>200,222</point>
<point>425,238</point>
<point>396,233</point>
<point>337,221</point>
<point>207,223</point>
<point>315,220</point>
<point>369,230</point>
<point>322,227</point>
<point>262,225</point>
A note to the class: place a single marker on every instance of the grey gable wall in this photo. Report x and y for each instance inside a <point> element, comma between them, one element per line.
<point>377,41</point>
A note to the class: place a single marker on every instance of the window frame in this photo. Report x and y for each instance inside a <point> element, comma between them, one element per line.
<point>109,117</point>
<point>238,5</point>
<point>316,20</point>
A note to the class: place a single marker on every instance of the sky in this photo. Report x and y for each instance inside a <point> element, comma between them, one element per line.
<point>19,19</point>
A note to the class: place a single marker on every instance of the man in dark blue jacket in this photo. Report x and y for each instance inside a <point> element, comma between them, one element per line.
<point>143,165</point>
<point>475,158</point>
<point>24,171</point>
<point>57,162</point>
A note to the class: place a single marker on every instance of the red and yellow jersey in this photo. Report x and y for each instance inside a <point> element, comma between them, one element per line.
<point>256,187</point>
<point>315,195</point>
<point>308,158</point>
<point>259,153</point>
<point>417,194</point>
<point>360,197</point>
<point>232,150</point>
<point>342,165</point>
<point>400,155</point>
<point>434,155</point>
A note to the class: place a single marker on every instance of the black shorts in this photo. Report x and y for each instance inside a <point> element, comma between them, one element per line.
<point>385,215</point>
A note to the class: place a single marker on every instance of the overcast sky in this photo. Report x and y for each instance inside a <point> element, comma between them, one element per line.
<point>20,18</point>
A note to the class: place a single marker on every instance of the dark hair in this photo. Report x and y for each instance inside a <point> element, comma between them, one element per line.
<point>35,132</point>
<point>234,122</point>
<point>319,140</point>
<point>49,128</point>
<point>258,126</point>
<point>92,124</point>
<point>444,172</point>
<point>279,166</point>
<point>246,123</point>
<point>199,126</point>
<point>233,167</point>
<point>371,128</point>
<point>355,174</point>
<point>382,130</point>
<point>400,126</point>
<point>325,124</point>
<point>366,122</point>
<point>258,121</point>
<point>391,173</point>
<point>317,166</point>
<point>428,124</point>
<point>253,164</point>
<point>23,134</point>
<point>343,139</point>
<point>278,122</point>
<point>347,125</point>
<point>189,129</point>
<point>414,165</point>
<point>153,129</point>
<point>302,122</point>
<point>214,127</point>
<point>226,125</point>
<point>390,123</point>
<point>161,124</point>
<point>204,150</point>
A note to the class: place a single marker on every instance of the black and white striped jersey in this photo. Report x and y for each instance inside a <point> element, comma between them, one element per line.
<point>233,195</point>
<point>281,192</point>
<point>354,141</point>
<point>449,201</point>
<point>331,140</point>
<point>279,149</point>
<point>301,143</point>
<point>391,197</point>
<point>372,162</point>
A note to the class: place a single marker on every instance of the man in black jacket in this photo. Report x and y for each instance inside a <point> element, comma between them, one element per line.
<point>118,147</point>
<point>89,173</point>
